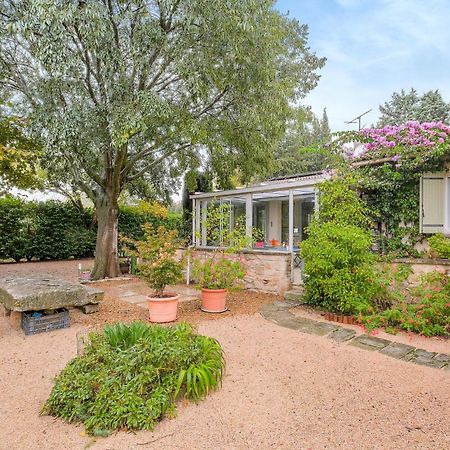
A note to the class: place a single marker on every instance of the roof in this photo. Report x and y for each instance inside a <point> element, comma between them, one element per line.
<point>300,183</point>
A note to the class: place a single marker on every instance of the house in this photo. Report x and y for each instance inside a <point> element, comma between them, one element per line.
<point>281,209</point>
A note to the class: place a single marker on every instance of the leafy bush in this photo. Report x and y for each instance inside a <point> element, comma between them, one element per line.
<point>222,273</point>
<point>130,376</point>
<point>132,218</point>
<point>339,266</point>
<point>429,315</point>
<point>157,252</point>
<point>440,245</point>
<point>14,241</point>
<point>58,230</point>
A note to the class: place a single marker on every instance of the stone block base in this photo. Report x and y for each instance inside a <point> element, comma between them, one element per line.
<point>90,308</point>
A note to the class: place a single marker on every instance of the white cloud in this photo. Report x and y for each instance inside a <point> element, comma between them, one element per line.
<point>377,47</point>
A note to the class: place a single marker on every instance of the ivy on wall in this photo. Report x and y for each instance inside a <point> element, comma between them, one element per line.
<point>389,162</point>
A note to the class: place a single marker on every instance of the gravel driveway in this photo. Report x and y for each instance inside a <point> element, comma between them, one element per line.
<point>283,389</point>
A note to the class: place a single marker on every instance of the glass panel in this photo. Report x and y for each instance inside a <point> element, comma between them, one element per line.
<point>259,223</point>
<point>307,215</point>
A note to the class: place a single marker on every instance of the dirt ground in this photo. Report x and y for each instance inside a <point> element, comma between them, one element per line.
<point>283,389</point>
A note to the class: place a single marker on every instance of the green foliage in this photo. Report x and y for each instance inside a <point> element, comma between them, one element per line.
<point>218,272</point>
<point>304,147</point>
<point>130,376</point>
<point>18,154</point>
<point>340,203</point>
<point>58,230</point>
<point>428,314</point>
<point>43,230</point>
<point>132,219</point>
<point>392,198</point>
<point>404,106</point>
<point>339,265</point>
<point>440,245</point>
<point>157,251</point>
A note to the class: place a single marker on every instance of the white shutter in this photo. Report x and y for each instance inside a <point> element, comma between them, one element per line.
<point>432,203</point>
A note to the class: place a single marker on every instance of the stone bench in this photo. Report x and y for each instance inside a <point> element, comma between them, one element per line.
<point>44,292</point>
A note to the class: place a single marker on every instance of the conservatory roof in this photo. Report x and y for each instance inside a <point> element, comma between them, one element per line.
<point>302,184</point>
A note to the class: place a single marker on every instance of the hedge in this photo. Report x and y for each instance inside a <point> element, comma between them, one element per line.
<point>57,230</point>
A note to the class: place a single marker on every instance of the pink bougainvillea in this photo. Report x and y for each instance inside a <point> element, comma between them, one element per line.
<point>412,137</point>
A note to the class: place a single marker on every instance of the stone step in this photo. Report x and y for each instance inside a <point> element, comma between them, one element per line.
<point>295,294</point>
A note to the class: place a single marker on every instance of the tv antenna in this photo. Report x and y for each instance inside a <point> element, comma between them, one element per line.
<point>358,119</point>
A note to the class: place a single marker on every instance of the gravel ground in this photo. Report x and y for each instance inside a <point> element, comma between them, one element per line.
<point>67,269</point>
<point>283,389</point>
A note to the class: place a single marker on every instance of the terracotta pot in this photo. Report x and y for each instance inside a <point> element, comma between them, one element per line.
<point>85,275</point>
<point>214,300</point>
<point>163,309</point>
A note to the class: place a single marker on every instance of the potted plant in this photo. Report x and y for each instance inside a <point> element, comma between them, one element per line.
<point>215,277</point>
<point>124,265</point>
<point>159,268</point>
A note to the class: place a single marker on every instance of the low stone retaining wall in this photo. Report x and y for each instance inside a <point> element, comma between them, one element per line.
<point>266,271</point>
<point>422,266</point>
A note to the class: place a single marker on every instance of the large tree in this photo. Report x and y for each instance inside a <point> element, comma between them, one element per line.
<point>304,147</point>
<point>18,154</point>
<point>405,106</point>
<point>118,90</point>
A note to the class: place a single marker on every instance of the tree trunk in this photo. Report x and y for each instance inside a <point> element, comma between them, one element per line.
<point>106,263</point>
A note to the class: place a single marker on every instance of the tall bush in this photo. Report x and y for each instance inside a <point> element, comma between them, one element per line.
<point>339,265</point>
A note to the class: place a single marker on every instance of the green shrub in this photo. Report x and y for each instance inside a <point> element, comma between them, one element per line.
<point>132,218</point>
<point>339,266</point>
<point>157,251</point>
<point>440,245</point>
<point>218,273</point>
<point>428,315</point>
<point>15,241</point>
<point>57,230</point>
<point>130,376</point>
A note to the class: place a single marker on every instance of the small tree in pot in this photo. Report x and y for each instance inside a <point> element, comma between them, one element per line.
<point>223,271</point>
<point>215,277</point>
<point>159,268</point>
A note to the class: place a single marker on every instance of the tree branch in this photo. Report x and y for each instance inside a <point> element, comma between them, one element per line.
<point>157,161</point>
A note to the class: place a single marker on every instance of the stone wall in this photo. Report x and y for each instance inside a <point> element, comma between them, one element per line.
<point>266,271</point>
<point>421,266</point>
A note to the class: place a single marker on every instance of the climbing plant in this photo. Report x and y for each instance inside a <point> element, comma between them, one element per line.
<point>390,161</point>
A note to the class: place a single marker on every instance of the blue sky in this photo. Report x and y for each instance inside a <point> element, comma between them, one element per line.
<point>373,48</point>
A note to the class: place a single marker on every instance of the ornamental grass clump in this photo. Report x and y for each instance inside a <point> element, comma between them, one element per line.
<point>130,376</point>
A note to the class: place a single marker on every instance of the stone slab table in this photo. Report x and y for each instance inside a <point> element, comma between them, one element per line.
<point>40,292</point>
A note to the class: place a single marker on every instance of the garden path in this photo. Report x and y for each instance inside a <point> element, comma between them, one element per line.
<point>279,313</point>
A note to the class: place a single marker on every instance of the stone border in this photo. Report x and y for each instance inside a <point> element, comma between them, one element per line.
<point>278,312</point>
